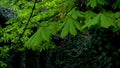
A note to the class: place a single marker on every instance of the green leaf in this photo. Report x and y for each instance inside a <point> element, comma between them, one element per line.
<point>117,19</point>
<point>72,27</point>
<point>90,14</point>
<point>61,26</point>
<point>106,21</point>
<point>95,20</point>
<point>55,27</point>
<point>77,25</point>
<point>68,3</point>
<point>102,2</point>
<point>92,3</point>
<point>116,4</point>
<point>91,21</point>
<point>65,30</point>
<point>35,40</point>
<point>117,15</point>
<point>75,14</point>
<point>45,33</point>
<point>118,23</point>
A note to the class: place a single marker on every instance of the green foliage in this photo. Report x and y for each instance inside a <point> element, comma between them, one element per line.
<point>105,20</point>
<point>43,35</point>
<point>43,12</point>
<point>71,25</point>
<point>2,64</point>
<point>4,53</point>
<point>47,12</point>
<point>116,4</point>
<point>68,3</point>
<point>32,24</point>
<point>95,3</point>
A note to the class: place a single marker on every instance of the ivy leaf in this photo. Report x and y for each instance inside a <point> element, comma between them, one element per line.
<point>106,21</point>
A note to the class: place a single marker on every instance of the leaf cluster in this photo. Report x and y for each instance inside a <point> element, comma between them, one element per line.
<point>38,25</point>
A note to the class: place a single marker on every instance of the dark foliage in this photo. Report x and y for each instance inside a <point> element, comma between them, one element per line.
<point>5,15</point>
<point>96,49</point>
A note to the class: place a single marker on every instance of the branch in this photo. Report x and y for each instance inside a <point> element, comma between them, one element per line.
<point>26,26</point>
